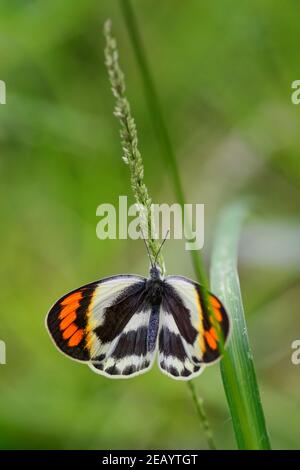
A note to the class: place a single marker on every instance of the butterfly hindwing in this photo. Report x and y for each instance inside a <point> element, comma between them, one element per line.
<point>188,338</point>
<point>132,351</point>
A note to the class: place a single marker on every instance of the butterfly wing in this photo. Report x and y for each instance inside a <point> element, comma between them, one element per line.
<point>189,338</point>
<point>105,324</point>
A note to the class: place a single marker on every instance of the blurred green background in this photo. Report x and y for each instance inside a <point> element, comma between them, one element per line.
<point>224,72</point>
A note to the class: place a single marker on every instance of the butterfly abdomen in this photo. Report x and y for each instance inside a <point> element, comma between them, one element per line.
<point>153,328</point>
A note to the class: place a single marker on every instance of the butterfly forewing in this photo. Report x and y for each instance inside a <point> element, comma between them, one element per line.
<point>67,322</point>
<point>105,323</point>
<point>189,338</point>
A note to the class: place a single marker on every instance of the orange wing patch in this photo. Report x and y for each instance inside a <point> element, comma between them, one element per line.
<point>76,338</point>
<point>67,316</point>
<point>69,331</point>
<point>215,329</point>
<point>69,309</point>
<point>208,336</point>
<point>70,299</point>
<point>212,330</point>
<point>216,306</point>
<point>68,322</point>
<point>211,337</point>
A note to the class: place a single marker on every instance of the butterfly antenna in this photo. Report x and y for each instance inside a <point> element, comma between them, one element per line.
<point>162,244</point>
<point>147,247</point>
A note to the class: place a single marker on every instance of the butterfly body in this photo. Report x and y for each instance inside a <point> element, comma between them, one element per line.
<point>117,325</point>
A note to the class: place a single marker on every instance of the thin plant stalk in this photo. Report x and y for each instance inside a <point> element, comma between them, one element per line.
<point>167,149</point>
<point>205,424</point>
<point>159,124</point>
<point>129,142</point>
<point>167,152</point>
<point>133,159</point>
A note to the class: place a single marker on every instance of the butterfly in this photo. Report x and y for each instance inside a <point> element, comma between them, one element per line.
<point>119,324</point>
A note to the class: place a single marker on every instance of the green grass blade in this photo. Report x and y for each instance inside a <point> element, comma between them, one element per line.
<point>237,366</point>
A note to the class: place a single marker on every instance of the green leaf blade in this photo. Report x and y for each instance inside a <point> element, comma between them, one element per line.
<point>237,368</point>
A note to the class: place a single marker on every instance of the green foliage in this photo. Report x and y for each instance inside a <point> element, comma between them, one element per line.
<point>237,365</point>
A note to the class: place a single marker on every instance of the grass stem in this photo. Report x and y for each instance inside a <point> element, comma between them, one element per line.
<point>159,122</point>
<point>205,424</point>
<point>129,142</point>
<point>165,143</point>
<point>132,157</point>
